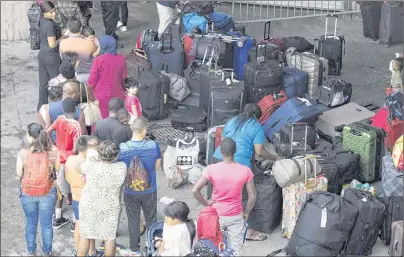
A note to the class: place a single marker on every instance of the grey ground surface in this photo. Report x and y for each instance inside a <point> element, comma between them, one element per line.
<point>365,65</point>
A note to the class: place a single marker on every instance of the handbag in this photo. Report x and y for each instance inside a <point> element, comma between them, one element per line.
<point>186,154</point>
<point>91,109</point>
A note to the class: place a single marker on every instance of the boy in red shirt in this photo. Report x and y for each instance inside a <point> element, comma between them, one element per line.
<point>68,130</point>
<point>132,103</point>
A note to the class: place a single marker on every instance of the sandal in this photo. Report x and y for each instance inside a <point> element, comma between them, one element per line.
<point>255,236</point>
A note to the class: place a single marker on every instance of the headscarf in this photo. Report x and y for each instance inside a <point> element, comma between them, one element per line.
<point>108,45</point>
<point>208,226</point>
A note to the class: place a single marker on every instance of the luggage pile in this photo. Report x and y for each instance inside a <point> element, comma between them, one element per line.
<point>206,69</point>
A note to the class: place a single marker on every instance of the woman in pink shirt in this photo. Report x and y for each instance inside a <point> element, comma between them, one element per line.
<point>108,74</point>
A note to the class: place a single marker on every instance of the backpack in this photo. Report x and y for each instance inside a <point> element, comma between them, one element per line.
<point>137,177</point>
<point>37,179</point>
<point>394,102</point>
<point>34,16</point>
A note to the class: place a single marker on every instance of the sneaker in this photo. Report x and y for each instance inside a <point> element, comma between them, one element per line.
<point>128,252</point>
<point>69,199</point>
<point>73,227</point>
<point>29,254</point>
<point>97,254</point>
<point>118,247</point>
<point>74,253</point>
<point>120,24</point>
<point>124,28</point>
<point>58,223</point>
<point>47,254</point>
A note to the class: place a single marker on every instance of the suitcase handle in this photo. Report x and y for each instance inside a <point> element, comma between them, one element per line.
<point>256,51</point>
<point>267,29</point>
<point>164,67</point>
<point>335,25</point>
<point>163,49</point>
<point>212,26</point>
<point>229,70</point>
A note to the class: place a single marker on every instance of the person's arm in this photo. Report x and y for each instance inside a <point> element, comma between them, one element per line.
<point>124,75</point>
<point>52,127</point>
<point>134,110</point>
<point>252,197</point>
<point>48,120</point>
<point>157,166</point>
<point>94,74</point>
<point>41,120</point>
<point>196,191</point>
<point>20,164</point>
<point>51,35</point>
<point>57,162</point>
<point>259,148</point>
<point>82,124</point>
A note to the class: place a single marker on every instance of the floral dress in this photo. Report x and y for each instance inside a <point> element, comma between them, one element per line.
<point>100,203</point>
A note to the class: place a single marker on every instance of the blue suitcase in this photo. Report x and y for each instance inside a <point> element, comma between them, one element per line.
<point>294,82</point>
<point>240,54</point>
<point>292,111</point>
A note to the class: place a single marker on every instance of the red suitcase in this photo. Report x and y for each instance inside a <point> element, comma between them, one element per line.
<point>269,104</point>
<point>394,131</point>
<point>267,39</point>
<point>187,42</point>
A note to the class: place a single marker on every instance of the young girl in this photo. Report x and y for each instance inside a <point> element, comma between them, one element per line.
<point>92,154</point>
<point>396,68</point>
<point>89,33</point>
<point>132,103</point>
<point>178,232</point>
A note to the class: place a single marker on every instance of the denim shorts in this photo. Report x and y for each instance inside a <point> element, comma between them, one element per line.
<point>75,206</point>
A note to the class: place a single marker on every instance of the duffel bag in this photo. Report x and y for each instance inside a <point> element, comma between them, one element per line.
<point>267,212</point>
<point>210,44</point>
<point>194,21</point>
<point>300,43</point>
<point>289,171</point>
<point>178,89</point>
<point>223,22</point>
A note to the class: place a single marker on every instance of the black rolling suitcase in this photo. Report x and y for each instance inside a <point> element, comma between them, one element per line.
<point>331,47</point>
<point>262,78</point>
<point>298,132</point>
<point>153,94</point>
<point>189,118</point>
<point>371,14</point>
<point>226,99</point>
<point>391,24</point>
<point>394,211</point>
<point>323,226</point>
<point>367,225</point>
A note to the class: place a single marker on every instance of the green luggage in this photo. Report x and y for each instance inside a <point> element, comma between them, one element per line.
<point>363,142</point>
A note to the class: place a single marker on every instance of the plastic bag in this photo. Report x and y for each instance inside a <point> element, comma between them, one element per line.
<point>195,173</point>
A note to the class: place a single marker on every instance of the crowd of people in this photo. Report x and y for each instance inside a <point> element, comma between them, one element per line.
<point>92,167</point>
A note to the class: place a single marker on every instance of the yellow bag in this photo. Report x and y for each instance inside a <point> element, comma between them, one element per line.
<point>397,153</point>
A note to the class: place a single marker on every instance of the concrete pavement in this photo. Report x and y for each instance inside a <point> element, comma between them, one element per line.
<point>365,65</point>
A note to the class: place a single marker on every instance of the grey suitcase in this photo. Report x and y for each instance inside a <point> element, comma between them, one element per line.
<point>316,68</point>
<point>391,24</point>
<point>330,123</point>
<point>323,227</point>
<point>396,244</point>
<point>168,50</point>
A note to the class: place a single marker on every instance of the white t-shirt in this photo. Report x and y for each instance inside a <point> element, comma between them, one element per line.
<point>177,240</point>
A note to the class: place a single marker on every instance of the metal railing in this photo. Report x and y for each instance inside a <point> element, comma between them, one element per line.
<point>260,11</point>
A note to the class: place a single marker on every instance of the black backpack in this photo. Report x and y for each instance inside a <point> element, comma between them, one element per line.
<point>34,16</point>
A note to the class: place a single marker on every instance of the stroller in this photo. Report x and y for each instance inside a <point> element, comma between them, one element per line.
<point>155,230</point>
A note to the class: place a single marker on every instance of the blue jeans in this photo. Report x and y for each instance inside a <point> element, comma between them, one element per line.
<point>42,207</point>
